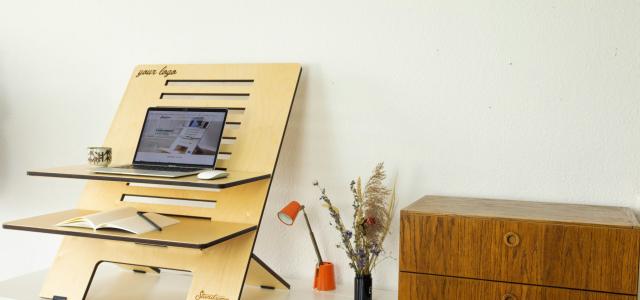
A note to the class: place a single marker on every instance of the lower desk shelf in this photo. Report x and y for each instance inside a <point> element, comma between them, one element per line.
<point>189,233</point>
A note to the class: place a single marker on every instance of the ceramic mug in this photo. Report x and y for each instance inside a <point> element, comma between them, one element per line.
<point>99,156</point>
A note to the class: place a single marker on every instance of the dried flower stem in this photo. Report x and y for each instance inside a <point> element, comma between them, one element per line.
<point>373,212</point>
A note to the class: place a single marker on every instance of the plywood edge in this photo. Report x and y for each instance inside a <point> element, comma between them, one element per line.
<point>83,172</point>
<point>133,240</point>
<point>257,270</point>
<point>45,224</point>
<point>260,274</point>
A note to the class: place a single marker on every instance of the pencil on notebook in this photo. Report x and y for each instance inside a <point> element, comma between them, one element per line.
<point>141,214</point>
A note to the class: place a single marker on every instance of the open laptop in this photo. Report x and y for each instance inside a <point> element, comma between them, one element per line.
<point>175,142</point>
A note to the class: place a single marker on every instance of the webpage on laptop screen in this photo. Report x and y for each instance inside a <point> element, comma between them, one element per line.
<point>180,137</point>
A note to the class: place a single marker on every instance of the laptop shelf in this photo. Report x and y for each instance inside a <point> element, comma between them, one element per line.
<point>198,233</point>
<point>84,172</point>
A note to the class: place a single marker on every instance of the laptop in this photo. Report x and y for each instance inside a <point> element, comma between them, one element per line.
<point>175,142</point>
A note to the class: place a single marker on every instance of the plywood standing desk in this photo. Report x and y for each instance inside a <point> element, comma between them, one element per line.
<point>216,243</point>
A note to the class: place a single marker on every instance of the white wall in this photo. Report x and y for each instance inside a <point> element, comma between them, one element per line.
<point>531,100</point>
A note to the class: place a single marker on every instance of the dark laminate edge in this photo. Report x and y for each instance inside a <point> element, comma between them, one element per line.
<point>204,94</point>
<point>272,272</point>
<point>166,82</point>
<point>133,239</point>
<point>228,237</point>
<point>150,180</point>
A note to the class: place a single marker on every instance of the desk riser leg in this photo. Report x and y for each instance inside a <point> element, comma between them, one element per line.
<point>218,270</point>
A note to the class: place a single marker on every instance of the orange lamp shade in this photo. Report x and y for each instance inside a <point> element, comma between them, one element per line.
<point>289,213</point>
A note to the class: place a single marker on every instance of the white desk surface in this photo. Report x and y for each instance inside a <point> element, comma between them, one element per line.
<point>114,283</point>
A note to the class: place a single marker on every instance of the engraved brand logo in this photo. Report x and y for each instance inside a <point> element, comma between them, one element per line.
<point>203,296</point>
<point>162,72</point>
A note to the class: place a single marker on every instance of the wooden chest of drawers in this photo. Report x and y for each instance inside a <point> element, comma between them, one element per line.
<point>465,248</point>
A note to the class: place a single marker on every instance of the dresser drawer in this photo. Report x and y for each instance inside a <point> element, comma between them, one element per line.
<point>432,287</point>
<point>597,258</point>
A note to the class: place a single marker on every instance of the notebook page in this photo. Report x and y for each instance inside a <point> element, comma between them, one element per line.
<point>111,215</point>
<point>138,225</point>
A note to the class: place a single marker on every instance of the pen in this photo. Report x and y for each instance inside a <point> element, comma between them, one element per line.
<point>141,214</point>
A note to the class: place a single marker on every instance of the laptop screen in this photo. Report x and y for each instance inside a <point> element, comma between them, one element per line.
<point>183,136</point>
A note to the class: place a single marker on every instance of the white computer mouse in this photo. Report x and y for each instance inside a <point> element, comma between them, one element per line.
<point>212,174</point>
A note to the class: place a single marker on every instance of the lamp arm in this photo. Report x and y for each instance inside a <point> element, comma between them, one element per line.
<point>313,238</point>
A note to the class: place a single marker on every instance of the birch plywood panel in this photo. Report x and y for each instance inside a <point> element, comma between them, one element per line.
<point>259,98</point>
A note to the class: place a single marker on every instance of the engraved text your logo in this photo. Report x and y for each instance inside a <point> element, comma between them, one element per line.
<point>162,72</point>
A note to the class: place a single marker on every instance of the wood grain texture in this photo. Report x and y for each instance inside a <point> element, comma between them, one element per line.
<point>259,274</point>
<point>585,256</point>
<point>217,270</point>
<point>431,287</point>
<point>262,112</point>
<point>525,210</point>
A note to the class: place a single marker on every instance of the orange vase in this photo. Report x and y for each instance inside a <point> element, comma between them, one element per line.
<point>324,279</point>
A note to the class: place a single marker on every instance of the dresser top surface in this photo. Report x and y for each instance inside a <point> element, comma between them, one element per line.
<point>525,210</point>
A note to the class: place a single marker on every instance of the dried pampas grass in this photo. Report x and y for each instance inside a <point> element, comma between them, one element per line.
<point>373,213</point>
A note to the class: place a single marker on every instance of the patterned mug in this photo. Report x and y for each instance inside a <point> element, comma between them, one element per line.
<point>99,156</point>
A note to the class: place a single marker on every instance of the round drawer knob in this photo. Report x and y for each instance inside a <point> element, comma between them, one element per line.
<point>511,239</point>
<point>509,297</point>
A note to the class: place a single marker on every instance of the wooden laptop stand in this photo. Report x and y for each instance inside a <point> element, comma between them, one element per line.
<point>214,244</point>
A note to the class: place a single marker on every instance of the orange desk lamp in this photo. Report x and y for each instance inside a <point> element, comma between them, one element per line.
<point>324,279</point>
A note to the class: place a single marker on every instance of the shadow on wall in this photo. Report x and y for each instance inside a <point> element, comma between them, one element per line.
<point>303,125</point>
<point>286,186</point>
<point>4,114</point>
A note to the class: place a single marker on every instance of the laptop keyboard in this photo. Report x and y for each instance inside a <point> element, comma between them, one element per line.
<point>164,168</point>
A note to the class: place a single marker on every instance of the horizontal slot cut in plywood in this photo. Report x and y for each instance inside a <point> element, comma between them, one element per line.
<point>235,117</point>
<point>232,124</point>
<point>168,201</point>
<point>226,148</point>
<point>230,104</point>
<point>172,187</point>
<point>110,282</point>
<point>204,96</point>
<point>207,82</point>
<point>228,140</point>
<point>228,131</point>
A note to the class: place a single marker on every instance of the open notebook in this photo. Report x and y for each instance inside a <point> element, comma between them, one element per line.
<point>125,218</point>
